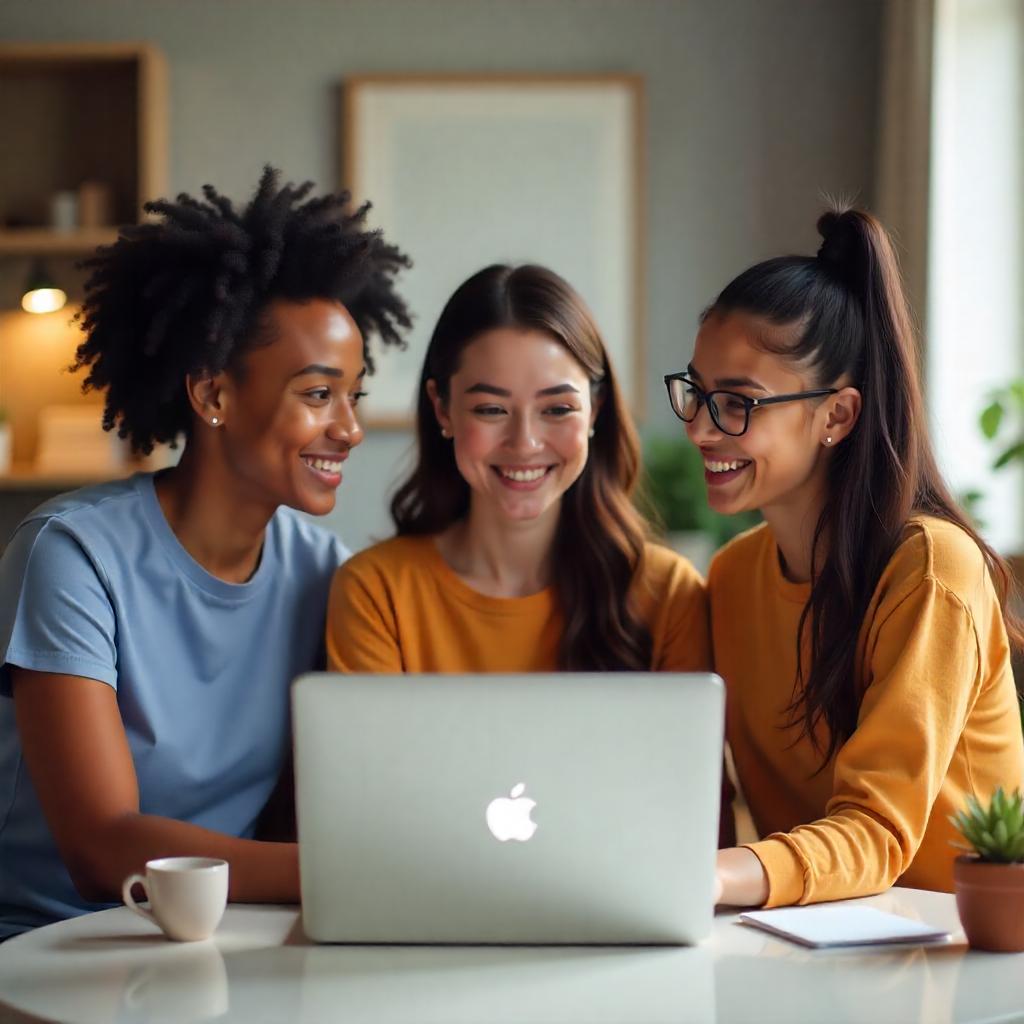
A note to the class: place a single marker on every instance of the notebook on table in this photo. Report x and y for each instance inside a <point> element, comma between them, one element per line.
<point>832,925</point>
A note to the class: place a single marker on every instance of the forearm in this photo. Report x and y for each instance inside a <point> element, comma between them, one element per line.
<point>260,872</point>
<point>741,880</point>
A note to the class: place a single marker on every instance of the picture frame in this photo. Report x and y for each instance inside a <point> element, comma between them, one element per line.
<point>464,171</point>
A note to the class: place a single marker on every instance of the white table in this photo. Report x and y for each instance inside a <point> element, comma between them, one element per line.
<point>113,966</point>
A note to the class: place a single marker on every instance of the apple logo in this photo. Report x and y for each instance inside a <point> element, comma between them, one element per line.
<point>508,817</point>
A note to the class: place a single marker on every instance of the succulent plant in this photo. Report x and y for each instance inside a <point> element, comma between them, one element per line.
<point>996,832</point>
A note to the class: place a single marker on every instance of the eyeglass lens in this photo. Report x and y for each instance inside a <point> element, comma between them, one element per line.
<point>728,412</point>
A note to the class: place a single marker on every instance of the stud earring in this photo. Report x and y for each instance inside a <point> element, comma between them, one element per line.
<point>445,433</point>
<point>591,432</point>
<point>214,421</point>
<point>828,440</point>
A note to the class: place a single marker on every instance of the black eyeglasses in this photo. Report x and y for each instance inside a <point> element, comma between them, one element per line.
<point>730,412</point>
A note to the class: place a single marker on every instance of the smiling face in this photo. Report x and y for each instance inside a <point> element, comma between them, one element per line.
<point>780,461</point>
<point>519,411</point>
<point>288,413</point>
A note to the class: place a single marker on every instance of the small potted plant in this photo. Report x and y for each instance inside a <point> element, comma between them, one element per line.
<point>989,880</point>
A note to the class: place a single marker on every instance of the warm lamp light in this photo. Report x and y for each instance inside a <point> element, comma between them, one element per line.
<point>41,293</point>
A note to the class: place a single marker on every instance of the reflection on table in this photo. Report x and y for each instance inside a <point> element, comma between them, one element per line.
<point>113,966</point>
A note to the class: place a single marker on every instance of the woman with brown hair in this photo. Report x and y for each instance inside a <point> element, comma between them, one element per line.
<point>518,546</point>
<point>863,630</point>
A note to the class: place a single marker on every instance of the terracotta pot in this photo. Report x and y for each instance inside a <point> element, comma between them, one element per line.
<point>990,901</point>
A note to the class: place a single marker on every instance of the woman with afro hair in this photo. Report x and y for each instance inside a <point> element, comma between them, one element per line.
<point>150,626</point>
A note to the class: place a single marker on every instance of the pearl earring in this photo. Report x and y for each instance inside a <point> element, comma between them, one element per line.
<point>591,433</point>
<point>445,433</point>
<point>214,421</point>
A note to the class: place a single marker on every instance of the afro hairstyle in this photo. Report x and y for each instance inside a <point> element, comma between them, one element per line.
<point>184,295</point>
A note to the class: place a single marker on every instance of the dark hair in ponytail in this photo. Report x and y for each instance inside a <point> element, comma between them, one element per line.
<point>845,314</point>
<point>599,543</point>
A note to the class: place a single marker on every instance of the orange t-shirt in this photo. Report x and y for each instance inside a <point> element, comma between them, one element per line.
<point>399,607</point>
<point>939,716</point>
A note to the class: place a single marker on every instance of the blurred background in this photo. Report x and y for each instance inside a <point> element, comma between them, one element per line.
<point>748,111</point>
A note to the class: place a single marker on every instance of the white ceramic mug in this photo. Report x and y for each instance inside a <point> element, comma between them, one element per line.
<point>187,895</point>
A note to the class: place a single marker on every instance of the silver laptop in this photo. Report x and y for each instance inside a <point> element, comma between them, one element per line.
<point>547,808</point>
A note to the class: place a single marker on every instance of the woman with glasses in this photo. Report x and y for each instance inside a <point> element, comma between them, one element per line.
<point>863,630</point>
<point>519,548</point>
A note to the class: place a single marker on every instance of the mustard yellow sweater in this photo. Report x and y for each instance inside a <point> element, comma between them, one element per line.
<point>938,718</point>
<point>398,607</point>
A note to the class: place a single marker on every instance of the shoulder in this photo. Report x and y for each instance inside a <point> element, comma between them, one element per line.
<point>90,511</point>
<point>665,569</point>
<point>739,553</point>
<point>309,544</point>
<point>935,550</point>
<point>389,563</point>
<point>75,529</point>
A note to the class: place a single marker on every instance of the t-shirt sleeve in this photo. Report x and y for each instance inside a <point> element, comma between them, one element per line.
<point>923,679</point>
<point>361,630</point>
<point>55,610</point>
<point>682,642</point>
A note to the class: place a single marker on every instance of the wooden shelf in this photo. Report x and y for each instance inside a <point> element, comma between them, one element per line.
<point>25,477</point>
<point>43,241</point>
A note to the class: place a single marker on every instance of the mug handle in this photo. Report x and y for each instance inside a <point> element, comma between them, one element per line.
<point>129,901</point>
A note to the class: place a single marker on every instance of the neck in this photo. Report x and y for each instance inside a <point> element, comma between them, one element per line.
<point>215,517</point>
<point>501,558</point>
<point>793,523</point>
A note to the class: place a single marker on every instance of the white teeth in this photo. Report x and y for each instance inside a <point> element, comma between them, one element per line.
<point>324,465</point>
<point>523,475</point>
<point>715,466</point>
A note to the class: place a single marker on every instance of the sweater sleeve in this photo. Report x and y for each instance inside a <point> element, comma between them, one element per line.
<point>361,630</point>
<point>922,676</point>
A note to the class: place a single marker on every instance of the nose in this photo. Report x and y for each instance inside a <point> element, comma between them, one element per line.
<point>522,434</point>
<point>344,425</point>
<point>701,429</point>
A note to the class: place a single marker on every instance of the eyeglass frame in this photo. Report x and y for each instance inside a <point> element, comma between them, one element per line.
<point>749,404</point>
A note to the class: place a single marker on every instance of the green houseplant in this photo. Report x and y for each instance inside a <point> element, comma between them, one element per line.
<point>989,878</point>
<point>1002,423</point>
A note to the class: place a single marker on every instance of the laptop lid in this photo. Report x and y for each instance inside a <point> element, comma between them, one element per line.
<point>552,808</point>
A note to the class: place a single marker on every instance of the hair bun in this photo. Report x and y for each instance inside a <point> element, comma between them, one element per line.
<point>842,251</point>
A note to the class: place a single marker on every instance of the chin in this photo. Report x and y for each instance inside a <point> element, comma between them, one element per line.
<point>313,505</point>
<point>729,506</point>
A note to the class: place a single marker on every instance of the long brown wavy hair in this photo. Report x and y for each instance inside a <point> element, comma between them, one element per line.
<point>844,312</point>
<point>599,542</point>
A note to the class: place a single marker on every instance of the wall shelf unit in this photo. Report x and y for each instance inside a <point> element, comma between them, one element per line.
<point>84,137</point>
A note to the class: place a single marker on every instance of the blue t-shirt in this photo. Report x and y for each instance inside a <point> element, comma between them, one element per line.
<point>95,584</point>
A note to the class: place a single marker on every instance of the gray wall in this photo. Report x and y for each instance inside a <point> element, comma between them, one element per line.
<point>754,108</point>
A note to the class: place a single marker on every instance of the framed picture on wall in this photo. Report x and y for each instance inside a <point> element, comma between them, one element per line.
<point>466,171</point>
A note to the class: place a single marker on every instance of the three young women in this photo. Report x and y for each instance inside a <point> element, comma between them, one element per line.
<point>863,630</point>
<point>150,627</point>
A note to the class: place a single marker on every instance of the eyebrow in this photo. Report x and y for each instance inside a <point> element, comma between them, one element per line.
<point>325,371</point>
<point>729,382</point>
<point>490,389</point>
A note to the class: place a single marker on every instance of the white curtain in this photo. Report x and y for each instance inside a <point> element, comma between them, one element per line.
<point>975,283</point>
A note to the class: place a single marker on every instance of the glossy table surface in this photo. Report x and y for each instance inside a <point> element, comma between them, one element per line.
<point>113,966</point>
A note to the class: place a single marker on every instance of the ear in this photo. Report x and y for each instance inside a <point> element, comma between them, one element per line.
<point>596,401</point>
<point>440,411</point>
<point>842,413</point>
<point>209,397</point>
